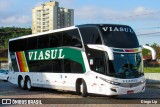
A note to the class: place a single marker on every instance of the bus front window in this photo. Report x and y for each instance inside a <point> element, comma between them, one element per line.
<point>126,65</point>
<point>119,36</point>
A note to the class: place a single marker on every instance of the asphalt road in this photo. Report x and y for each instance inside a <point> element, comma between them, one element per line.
<point>50,96</point>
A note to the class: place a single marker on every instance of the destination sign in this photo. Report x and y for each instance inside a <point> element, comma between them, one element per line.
<point>117,29</point>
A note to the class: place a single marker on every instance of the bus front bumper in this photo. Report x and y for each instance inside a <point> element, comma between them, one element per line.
<point>118,90</point>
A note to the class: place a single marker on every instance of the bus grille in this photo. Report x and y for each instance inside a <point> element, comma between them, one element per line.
<point>130,84</point>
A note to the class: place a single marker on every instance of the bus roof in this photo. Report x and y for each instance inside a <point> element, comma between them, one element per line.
<point>100,24</point>
<point>42,33</point>
<point>61,29</point>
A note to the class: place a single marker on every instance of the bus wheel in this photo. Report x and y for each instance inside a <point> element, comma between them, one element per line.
<point>29,86</point>
<point>78,87</point>
<point>83,89</point>
<point>7,79</point>
<point>22,83</point>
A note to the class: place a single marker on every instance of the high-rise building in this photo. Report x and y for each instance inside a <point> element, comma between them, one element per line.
<point>49,16</point>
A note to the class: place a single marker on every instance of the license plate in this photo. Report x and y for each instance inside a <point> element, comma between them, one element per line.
<point>130,92</point>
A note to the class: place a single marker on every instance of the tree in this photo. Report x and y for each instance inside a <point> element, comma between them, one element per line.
<point>7,33</point>
<point>156,47</point>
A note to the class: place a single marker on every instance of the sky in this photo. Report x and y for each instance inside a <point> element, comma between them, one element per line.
<point>142,15</point>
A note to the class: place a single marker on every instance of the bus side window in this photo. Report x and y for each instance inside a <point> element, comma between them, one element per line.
<point>21,43</point>
<point>33,66</point>
<point>90,35</point>
<point>76,67</point>
<point>32,43</point>
<point>43,41</point>
<point>98,65</point>
<point>57,65</point>
<point>67,66</point>
<point>97,61</point>
<point>72,38</point>
<point>55,40</point>
<point>72,67</point>
<point>12,46</point>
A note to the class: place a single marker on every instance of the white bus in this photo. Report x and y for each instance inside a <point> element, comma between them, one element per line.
<point>102,59</point>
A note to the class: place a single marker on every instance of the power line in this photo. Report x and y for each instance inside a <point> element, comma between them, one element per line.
<point>148,33</point>
<point>147,28</point>
<point>135,15</point>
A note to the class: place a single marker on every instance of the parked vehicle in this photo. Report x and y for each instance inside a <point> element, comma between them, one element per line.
<point>4,75</point>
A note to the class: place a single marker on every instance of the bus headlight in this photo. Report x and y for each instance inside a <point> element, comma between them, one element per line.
<point>108,81</point>
<point>143,81</point>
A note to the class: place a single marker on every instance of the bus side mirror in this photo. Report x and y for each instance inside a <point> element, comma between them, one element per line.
<point>152,51</point>
<point>103,48</point>
<point>109,51</point>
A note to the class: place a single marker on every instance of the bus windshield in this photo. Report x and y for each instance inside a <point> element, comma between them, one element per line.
<point>119,36</point>
<point>126,65</point>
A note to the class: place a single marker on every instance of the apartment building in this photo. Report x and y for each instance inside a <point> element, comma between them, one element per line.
<point>49,16</point>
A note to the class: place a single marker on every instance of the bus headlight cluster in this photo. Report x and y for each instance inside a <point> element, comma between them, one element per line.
<point>143,81</point>
<point>108,81</point>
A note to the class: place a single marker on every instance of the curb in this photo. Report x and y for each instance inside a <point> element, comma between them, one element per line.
<point>153,85</point>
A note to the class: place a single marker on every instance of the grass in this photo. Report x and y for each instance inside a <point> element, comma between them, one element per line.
<point>151,69</point>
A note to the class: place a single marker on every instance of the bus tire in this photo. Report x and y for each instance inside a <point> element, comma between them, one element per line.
<point>22,83</point>
<point>7,79</point>
<point>19,78</point>
<point>78,87</point>
<point>28,84</point>
<point>83,89</point>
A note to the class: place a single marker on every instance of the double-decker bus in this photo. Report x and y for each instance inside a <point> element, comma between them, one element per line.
<point>102,59</point>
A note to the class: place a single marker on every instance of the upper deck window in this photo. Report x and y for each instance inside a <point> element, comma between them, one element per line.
<point>72,38</point>
<point>90,35</point>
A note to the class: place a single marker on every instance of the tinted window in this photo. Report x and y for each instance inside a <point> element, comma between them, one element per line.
<point>13,46</point>
<point>119,36</point>
<point>90,35</point>
<point>67,66</point>
<point>43,41</point>
<point>72,38</point>
<point>55,40</point>
<point>14,62</point>
<point>45,66</point>
<point>33,66</point>
<point>76,67</point>
<point>72,67</point>
<point>18,45</point>
<point>32,43</point>
<point>22,45</point>
<point>54,66</point>
<point>57,65</point>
